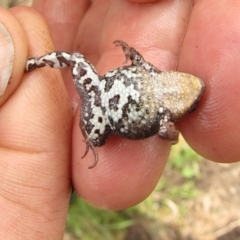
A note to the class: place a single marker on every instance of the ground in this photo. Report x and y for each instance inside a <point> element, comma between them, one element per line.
<point>215,213</point>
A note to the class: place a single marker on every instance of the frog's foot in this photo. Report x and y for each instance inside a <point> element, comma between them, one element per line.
<point>125,48</point>
<point>135,57</point>
<point>90,145</point>
<point>168,132</point>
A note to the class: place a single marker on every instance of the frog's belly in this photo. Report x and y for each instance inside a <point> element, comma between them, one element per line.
<point>135,127</point>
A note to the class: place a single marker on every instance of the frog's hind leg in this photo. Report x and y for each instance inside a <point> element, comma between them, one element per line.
<point>53,60</point>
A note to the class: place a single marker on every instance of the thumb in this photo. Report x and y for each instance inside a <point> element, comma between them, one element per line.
<point>35,127</point>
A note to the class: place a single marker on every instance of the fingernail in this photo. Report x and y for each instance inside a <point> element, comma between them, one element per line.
<point>6,58</point>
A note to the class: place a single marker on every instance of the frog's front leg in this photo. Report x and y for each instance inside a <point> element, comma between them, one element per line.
<point>135,57</point>
<point>167,129</point>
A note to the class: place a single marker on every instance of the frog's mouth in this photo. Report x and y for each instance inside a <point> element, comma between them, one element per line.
<point>195,104</point>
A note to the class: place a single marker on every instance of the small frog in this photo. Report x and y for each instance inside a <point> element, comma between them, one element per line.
<point>135,101</point>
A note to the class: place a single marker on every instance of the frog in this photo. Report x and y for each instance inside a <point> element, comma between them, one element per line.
<point>133,101</point>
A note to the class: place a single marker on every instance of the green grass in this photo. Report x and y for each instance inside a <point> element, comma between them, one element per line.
<point>185,160</point>
<point>87,222</point>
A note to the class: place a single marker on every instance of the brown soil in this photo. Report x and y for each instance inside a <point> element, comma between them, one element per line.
<point>213,215</point>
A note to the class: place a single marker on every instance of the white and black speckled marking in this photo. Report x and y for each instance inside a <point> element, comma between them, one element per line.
<point>135,101</point>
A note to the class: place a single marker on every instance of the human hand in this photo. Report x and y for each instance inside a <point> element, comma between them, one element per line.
<point>35,134</point>
<point>124,174</point>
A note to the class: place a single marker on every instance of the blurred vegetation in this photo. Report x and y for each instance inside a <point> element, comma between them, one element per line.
<point>175,188</point>
<point>12,3</point>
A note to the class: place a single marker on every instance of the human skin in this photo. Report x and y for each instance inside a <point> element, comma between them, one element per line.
<point>41,143</point>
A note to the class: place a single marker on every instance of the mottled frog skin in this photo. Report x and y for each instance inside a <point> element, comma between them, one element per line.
<point>135,101</point>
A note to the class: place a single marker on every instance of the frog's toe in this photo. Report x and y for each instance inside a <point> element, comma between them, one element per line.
<point>169,132</point>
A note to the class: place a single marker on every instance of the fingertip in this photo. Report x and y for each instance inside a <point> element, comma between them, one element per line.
<point>142,1</point>
<point>63,17</point>
<point>36,29</point>
<point>13,44</point>
<point>126,173</point>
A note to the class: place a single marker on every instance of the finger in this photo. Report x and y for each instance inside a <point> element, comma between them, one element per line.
<point>146,27</point>
<point>63,18</point>
<point>35,126</point>
<point>13,56</point>
<point>143,1</point>
<point>90,30</point>
<point>210,51</point>
<point>126,173</point>
<point>128,170</point>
